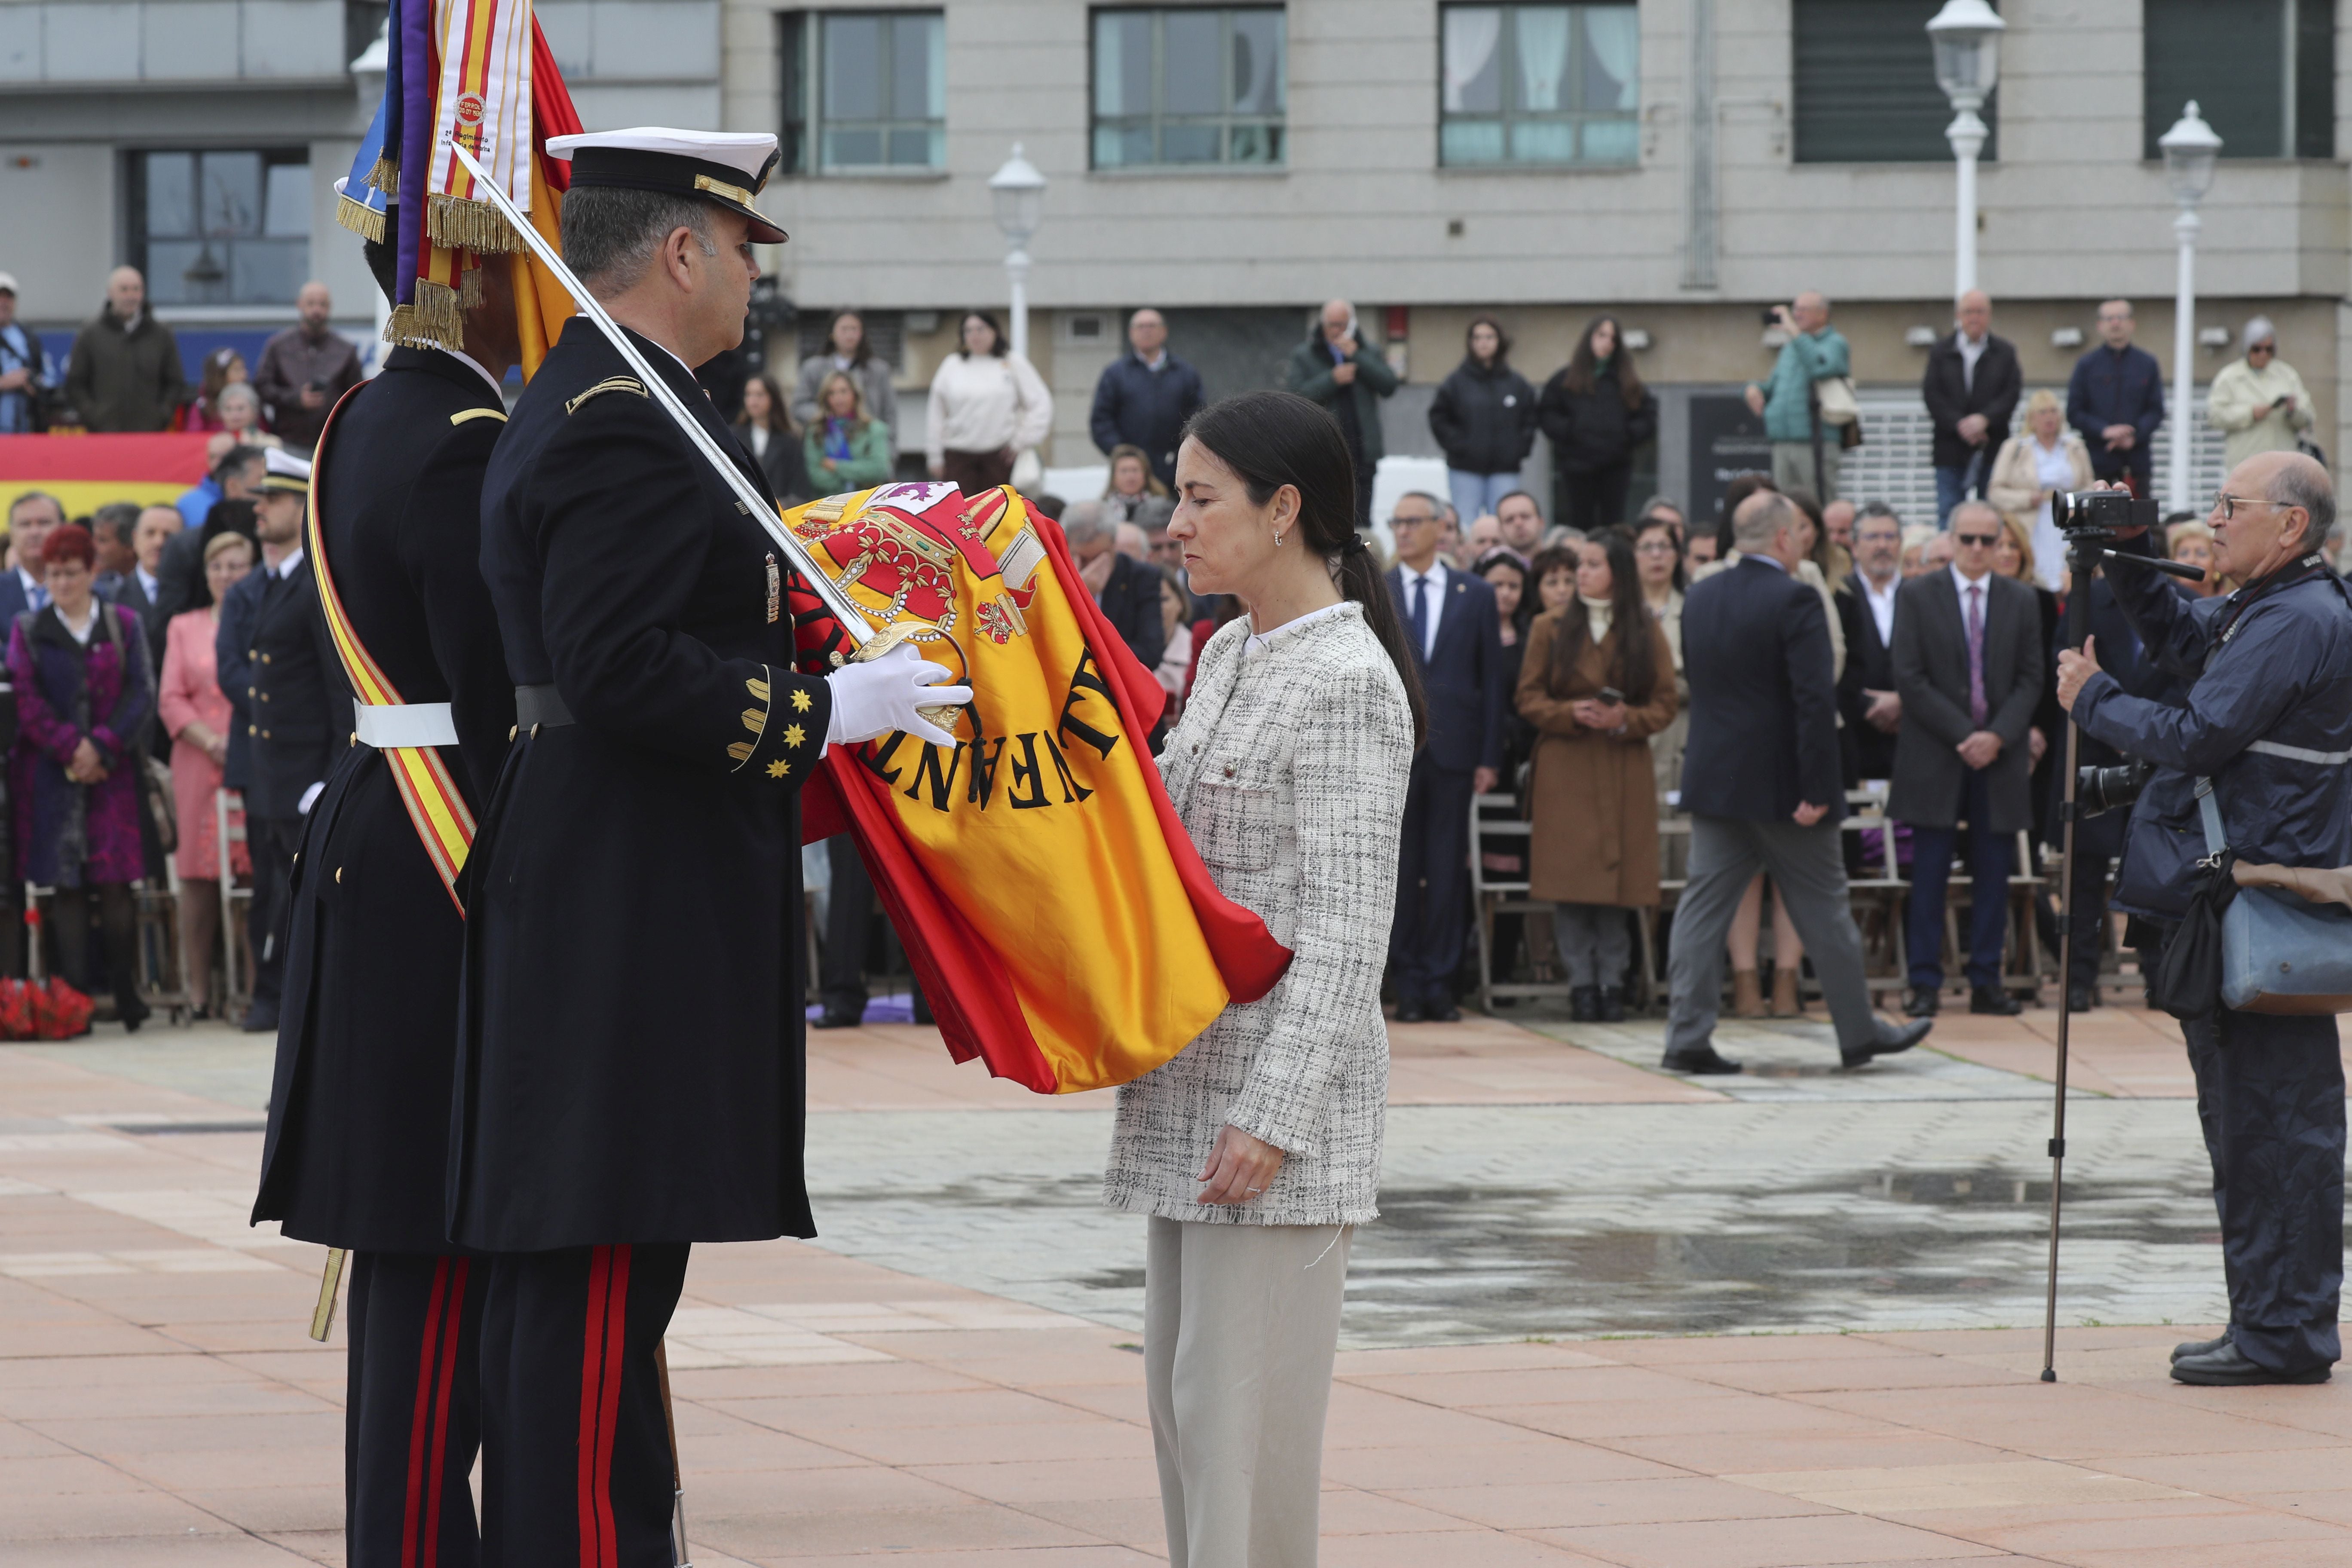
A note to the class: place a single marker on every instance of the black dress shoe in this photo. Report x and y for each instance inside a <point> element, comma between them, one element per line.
<point>1921,1002</point>
<point>2081,998</point>
<point>260,1020</point>
<point>2188,1348</point>
<point>1409,1011</point>
<point>1889,1044</point>
<point>1612,1004</point>
<point>1584,1005</point>
<point>1443,1011</point>
<point>2228,1368</point>
<point>838,1018</point>
<point>1993,1000</point>
<point>1701,1061</point>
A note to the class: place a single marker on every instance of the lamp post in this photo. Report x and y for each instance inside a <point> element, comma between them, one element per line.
<point>1019,192</point>
<point>1967,38</point>
<point>2189,148</point>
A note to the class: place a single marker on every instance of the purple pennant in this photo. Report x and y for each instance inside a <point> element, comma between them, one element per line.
<point>415,44</point>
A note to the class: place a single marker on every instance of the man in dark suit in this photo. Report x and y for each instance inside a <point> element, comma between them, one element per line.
<point>31,515</point>
<point>1760,782</point>
<point>285,688</point>
<point>1971,389</point>
<point>1144,397</point>
<point>1127,590</point>
<point>1456,634</point>
<point>1969,663</point>
<point>120,579</point>
<point>2115,400</point>
<point>1867,701</point>
<point>238,475</point>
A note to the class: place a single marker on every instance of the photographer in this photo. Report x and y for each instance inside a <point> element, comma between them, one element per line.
<point>2269,721</point>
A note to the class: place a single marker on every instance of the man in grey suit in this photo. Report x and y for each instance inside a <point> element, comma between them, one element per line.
<point>1968,665</point>
<point>1760,779</point>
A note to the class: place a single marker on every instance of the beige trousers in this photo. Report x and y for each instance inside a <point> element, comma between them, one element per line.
<point>1240,1323</point>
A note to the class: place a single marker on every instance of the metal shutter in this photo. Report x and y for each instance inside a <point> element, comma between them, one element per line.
<point>1865,85</point>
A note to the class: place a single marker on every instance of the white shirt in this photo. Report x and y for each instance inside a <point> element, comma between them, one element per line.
<point>1971,351</point>
<point>1259,644</point>
<point>1435,578</point>
<point>149,583</point>
<point>90,624</point>
<point>1881,607</point>
<point>470,363</point>
<point>1962,583</point>
<point>36,593</point>
<point>984,404</point>
<point>2053,470</point>
<point>285,568</point>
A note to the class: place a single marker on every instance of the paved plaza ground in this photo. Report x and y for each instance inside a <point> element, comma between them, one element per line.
<point>1609,1317</point>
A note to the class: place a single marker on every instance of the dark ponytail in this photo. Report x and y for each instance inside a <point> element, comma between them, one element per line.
<point>1276,438</point>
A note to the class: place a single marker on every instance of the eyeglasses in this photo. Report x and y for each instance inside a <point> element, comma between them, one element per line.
<point>2263,349</point>
<point>1655,547</point>
<point>2227,504</point>
<point>1984,540</point>
<point>1402,522</point>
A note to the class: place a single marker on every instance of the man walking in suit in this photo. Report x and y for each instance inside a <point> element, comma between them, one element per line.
<point>1971,389</point>
<point>1457,643</point>
<point>1870,706</point>
<point>1760,781</point>
<point>1968,662</point>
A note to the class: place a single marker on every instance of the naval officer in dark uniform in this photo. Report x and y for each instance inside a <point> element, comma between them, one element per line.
<point>357,1153</point>
<point>287,691</point>
<point>630,1068</point>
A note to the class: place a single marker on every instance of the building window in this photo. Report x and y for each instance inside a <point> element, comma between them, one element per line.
<point>864,91</point>
<point>1865,85</point>
<point>1541,84</point>
<point>221,227</point>
<point>2262,73</point>
<point>1190,84</point>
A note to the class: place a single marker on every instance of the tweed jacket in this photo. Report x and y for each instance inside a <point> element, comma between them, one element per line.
<point>1289,772</point>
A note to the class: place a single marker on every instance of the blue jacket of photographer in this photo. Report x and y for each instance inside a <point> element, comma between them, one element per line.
<point>2268,719</point>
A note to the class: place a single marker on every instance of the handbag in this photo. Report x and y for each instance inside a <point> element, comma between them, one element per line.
<point>2254,949</point>
<point>1838,404</point>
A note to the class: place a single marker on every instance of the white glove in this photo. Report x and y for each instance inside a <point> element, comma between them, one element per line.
<point>881,695</point>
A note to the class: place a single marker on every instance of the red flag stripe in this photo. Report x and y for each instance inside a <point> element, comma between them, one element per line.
<point>420,1420</point>
<point>165,459</point>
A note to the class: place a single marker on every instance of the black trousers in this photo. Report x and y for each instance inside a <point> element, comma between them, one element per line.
<point>576,1469</point>
<point>1991,856</point>
<point>1595,499</point>
<point>1433,911</point>
<point>2090,915</point>
<point>414,1420</point>
<point>2270,1097</point>
<point>848,918</point>
<point>272,841</point>
<point>118,919</point>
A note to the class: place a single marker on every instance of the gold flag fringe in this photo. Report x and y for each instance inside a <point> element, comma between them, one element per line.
<point>360,218</point>
<point>470,286</point>
<point>433,321</point>
<point>458,223</point>
<point>385,175</point>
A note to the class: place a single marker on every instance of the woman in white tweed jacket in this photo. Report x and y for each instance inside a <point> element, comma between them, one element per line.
<point>1258,1150</point>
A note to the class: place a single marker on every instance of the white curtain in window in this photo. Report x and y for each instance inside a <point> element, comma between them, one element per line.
<point>1613,36</point>
<point>1471,34</point>
<point>1110,63</point>
<point>1543,54</point>
<point>935,47</point>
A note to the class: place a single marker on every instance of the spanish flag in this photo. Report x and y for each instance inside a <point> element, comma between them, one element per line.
<point>1062,925</point>
<point>86,472</point>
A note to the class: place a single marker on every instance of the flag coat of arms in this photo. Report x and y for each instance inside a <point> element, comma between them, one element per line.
<point>1054,911</point>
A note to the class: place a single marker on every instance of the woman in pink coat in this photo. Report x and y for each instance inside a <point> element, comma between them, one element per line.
<point>196,717</point>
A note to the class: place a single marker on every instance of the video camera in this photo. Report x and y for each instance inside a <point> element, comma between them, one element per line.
<point>2101,513</point>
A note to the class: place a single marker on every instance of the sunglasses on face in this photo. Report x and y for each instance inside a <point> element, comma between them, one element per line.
<point>2263,349</point>
<point>1980,541</point>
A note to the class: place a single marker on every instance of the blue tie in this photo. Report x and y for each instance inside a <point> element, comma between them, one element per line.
<point>1421,620</point>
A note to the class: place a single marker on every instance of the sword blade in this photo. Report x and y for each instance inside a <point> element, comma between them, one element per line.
<point>762,509</point>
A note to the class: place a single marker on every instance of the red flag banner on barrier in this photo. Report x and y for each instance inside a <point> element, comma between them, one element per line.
<point>1063,927</point>
<point>86,472</point>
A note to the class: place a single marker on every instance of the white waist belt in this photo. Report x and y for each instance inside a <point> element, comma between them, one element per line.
<point>405,724</point>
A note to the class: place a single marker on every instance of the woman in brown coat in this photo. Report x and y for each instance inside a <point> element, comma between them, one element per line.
<point>1598,680</point>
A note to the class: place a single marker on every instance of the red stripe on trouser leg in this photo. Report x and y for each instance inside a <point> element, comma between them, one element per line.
<point>419,1421</point>
<point>616,1323</point>
<point>591,1382</point>
<point>452,1331</point>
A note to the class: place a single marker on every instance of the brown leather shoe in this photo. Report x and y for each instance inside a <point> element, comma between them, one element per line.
<point>1747,996</point>
<point>1785,1002</point>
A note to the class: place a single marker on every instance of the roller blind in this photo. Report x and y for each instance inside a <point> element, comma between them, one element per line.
<point>1865,85</point>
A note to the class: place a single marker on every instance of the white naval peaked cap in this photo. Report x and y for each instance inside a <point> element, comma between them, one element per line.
<point>728,168</point>
<point>284,471</point>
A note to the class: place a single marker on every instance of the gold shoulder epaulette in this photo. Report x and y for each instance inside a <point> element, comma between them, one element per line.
<point>462,416</point>
<point>613,384</point>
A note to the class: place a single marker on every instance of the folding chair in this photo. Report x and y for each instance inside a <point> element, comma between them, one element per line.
<point>1498,816</point>
<point>234,895</point>
<point>1880,896</point>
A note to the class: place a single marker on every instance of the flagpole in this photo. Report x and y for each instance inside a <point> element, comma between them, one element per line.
<point>854,624</point>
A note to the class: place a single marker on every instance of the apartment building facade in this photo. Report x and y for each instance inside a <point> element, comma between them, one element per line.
<point>1679,163</point>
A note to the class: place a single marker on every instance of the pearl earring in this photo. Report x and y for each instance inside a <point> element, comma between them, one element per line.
<point>1277,538</point>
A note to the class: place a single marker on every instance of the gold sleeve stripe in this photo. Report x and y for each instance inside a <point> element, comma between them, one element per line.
<point>464,415</point>
<point>755,720</point>
<point>757,688</point>
<point>612,383</point>
<point>741,752</point>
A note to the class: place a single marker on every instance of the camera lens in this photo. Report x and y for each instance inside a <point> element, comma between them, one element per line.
<point>2099,790</point>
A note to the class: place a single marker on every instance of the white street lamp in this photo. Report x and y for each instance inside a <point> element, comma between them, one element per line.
<point>1967,38</point>
<point>2189,148</point>
<point>1019,192</point>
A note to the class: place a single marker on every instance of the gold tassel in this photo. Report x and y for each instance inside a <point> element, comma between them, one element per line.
<point>360,218</point>
<point>469,287</point>
<point>385,174</point>
<point>433,321</point>
<point>457,223</point>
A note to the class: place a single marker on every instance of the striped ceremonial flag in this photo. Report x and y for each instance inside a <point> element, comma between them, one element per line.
<point>86,472</point>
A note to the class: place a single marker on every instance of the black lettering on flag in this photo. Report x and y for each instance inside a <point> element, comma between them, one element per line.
<point>981,786</point>
<point>877,757</point>
<point>928,771</point>
<point>1088,677</point>
<point>1072,790</point>
<point>1026,775</point>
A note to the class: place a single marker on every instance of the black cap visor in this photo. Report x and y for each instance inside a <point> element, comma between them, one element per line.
<point>720,184</point>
